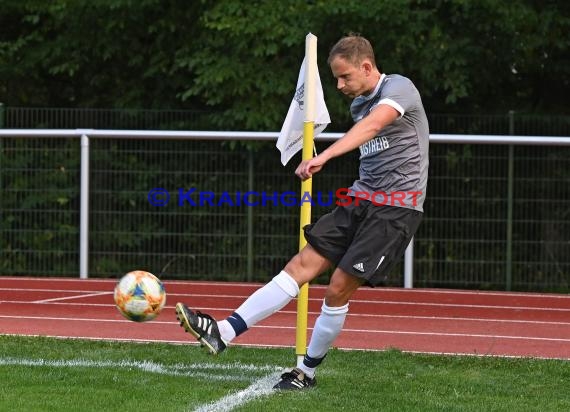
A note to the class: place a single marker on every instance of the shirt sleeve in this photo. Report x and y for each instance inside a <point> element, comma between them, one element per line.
<point>399,94</point>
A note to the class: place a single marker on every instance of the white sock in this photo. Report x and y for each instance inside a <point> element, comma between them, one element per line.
<point>226,331</point>
<point>309,372</point>
<point>327,327</point>
<point>262,303</point>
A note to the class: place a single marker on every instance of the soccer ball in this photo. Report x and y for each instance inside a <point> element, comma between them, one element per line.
<point>140,296</point>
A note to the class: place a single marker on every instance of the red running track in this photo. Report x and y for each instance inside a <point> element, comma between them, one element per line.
<point>412,320</point>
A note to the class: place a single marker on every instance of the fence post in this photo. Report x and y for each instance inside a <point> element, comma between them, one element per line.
<point>250,218</point>
<point>409,265</point>
<point>84,210</point>
<point>2,115</point>
<point>510,184</point>
<point>2,112</point>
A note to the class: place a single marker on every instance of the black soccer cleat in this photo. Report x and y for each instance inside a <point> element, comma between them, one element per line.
<point>295,380</point>
<point>202,326</point>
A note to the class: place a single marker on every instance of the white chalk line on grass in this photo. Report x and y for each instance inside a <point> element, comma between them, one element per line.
<point>259,388</point>
<point>195,370</point>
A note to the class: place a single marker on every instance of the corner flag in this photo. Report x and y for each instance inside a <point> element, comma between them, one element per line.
<point>290,139</point>
<point>307,116</point>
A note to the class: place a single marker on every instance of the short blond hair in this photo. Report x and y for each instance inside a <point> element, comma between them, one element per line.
<point>354,49</point>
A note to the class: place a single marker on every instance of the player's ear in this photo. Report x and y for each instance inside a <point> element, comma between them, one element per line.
<point>367,67</point>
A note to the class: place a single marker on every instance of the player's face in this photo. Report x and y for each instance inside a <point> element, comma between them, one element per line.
<point>351,80</point>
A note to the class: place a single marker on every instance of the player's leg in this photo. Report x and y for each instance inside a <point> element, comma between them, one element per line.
<point>378,245</point>
<point>379,241</point>
<point>331,320</point>
<point>302,268</point>
<point>327,243</point>
<point>327,327</point>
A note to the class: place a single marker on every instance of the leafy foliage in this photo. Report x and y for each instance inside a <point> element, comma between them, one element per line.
<point>240,59</point>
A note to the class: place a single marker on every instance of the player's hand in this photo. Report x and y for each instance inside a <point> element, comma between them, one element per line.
<point>307,168</point>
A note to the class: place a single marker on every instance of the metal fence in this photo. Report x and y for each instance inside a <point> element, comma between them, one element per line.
<point>509,123</point>
<point>133,119</point>
<point>496,215</point>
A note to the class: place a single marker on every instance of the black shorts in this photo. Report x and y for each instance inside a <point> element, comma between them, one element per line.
<point>365,240</point>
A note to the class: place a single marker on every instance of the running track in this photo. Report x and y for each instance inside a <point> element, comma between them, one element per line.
<point>412,320</point>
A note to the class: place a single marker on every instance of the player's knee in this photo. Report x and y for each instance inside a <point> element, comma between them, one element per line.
<point>339,292</point>
<point>336,296</point>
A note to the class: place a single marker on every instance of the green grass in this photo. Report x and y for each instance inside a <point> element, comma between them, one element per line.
<point>43,374</point>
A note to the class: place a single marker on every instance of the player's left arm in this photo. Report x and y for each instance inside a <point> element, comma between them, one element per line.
<point>364,130</point>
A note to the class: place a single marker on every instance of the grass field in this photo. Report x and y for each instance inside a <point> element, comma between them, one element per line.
<point>44,374</point>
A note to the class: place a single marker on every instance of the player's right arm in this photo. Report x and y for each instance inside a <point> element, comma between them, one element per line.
<point>360,133</point>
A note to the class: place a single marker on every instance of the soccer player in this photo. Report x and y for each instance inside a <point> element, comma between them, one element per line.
<point>362,239</point>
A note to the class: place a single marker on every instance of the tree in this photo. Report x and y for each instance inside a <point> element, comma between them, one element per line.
<point>240,59</point>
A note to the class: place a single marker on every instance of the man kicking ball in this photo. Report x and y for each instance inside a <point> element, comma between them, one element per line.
<point>362,240</point>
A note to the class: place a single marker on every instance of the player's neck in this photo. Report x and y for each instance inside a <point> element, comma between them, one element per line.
<point>374,79</point>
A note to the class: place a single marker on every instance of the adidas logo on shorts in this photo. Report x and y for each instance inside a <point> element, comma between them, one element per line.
<point>359,267</point>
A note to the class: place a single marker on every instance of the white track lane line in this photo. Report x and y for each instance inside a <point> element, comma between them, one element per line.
<point>354,301</point>
<point>72,297</point>
<point>26,279</point>
<point>350,315</point>
<point>345,330</point>
<point>255,345</point>
<point>49,290</point>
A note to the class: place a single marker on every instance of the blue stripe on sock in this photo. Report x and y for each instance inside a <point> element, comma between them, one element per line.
<point>312,362</point>
<point>237,323</point>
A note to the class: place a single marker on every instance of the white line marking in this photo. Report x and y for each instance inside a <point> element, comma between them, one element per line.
<point>346,330</point>
<point>155,321</point>
<point>350,315</point>
<point>206,371</point>
<point>72,297</point>
<point>261,387</point>
<point>152,340</point>
<point>376,302</point>
<point>73,319</point>
<point>196,370</point>
<point>480,355</point>
<point>52,280</point>
<point>443,305</point>
<point>23,302</point>
<point>49,290</point>
<point>458,319</point>
<point>392,302</point>
<point>463,335</point>
<point>269,346</point>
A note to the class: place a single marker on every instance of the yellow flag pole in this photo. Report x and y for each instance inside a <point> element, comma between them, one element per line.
<point>306,186</point>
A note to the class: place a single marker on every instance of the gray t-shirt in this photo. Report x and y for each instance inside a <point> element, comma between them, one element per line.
<point>394,164</point>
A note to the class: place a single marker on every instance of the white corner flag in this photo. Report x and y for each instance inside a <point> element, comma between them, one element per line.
<point>290,139</point>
